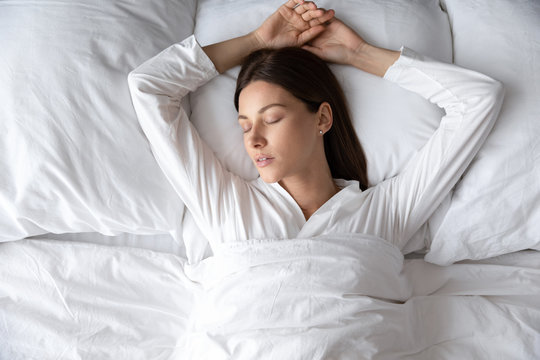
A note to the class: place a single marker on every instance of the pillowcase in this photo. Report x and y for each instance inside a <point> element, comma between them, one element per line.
<point>495,209</point>
<point>392,123</point>
<point>72,155</point>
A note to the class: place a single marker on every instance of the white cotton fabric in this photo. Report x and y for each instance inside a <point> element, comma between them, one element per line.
<point>72,155</point>
<point>324,298</point>
<point>71,300</point>
<point>227,208</point>
<point>164,243</point>
<point>496,208</point>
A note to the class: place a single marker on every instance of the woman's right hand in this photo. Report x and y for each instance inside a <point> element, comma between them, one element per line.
<point>292,24</point>
<point>340,44</point>
<point>337,44</point>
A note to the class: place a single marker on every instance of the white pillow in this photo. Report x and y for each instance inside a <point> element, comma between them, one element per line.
<point>72,155</point>
<point>392,123</point>
<point>496,207</point>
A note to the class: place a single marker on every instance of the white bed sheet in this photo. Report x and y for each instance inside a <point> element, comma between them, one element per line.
<point>73,300</point>
<point>163,243</point>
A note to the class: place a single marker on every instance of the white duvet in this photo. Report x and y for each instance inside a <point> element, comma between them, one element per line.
<point>320,298</point>
<point>326,298</point>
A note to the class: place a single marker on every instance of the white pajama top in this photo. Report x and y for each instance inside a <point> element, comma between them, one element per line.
<point>228,208</point>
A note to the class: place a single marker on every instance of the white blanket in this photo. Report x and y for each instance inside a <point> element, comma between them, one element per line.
<point>62,300</point>
<point>325,298</point>
<point>339,297</point>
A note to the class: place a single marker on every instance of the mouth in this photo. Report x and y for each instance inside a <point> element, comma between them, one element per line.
<point>263,160</point>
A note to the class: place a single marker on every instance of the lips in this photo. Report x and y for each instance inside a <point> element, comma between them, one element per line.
<point>263,160</point>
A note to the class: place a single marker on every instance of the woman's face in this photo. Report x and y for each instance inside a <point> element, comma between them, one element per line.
<point>281,136</point>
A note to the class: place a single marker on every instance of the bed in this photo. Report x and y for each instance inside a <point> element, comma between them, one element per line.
<point>99,258</point>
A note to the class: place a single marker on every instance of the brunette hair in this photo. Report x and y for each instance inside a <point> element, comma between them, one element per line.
<point>307,77</point>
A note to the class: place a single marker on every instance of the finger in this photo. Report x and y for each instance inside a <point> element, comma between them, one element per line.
<point>312,14</point>
<point>319,16</point>
<point>291,4</point>
<point>312,49</point>
<point>310,34</point>
<point>326,17</point>
<point>306,6</point>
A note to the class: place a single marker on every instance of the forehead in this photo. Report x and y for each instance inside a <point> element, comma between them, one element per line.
<point>258,93</point>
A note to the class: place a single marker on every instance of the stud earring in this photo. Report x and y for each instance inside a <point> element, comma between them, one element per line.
<point>320,132</point>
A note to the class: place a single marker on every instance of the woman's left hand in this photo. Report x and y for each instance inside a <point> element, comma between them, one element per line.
<point>292,26</point>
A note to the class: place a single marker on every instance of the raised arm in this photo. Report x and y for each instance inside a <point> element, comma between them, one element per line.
<point>471,101</point>
<point>158,85</point>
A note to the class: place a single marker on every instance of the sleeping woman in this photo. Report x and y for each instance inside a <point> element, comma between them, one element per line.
<point>312,202</point>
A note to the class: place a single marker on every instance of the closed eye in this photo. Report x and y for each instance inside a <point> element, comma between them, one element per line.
<point>246,129</point>
<point>244,125</point>
<point>272,121</point>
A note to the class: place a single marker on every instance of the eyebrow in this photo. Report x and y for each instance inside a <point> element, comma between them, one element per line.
<point>261,110</point>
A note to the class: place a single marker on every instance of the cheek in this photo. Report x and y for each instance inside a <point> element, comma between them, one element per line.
<point>298,142</point>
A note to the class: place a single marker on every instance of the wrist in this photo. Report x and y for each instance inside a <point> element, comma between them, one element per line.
<point>230,53</point>
<point>255,40</point>
<point>374,60</point>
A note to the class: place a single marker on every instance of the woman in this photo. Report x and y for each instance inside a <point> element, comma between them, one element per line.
<point>288,138</point>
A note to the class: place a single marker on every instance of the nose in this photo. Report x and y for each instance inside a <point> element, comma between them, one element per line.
<point>256,138</point>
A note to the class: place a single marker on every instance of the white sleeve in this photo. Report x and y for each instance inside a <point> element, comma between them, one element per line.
<point>157,87</point>
<point>472,102</point>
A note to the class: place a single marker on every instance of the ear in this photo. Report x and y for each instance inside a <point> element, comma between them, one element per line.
<point>325,117</point>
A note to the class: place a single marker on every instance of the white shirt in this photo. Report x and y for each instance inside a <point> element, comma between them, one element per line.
<point>228,208</point>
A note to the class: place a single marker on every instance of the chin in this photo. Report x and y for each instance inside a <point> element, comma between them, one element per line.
<point>268,178</point>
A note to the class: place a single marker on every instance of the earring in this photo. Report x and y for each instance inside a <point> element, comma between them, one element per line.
<point>320,132</point>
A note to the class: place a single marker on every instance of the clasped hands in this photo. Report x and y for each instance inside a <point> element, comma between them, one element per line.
<point>301,23</point>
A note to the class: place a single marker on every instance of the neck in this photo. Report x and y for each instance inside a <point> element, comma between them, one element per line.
<point>310,192</point>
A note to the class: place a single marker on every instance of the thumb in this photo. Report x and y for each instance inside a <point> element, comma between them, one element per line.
<point>310,34</point>
<point>313,50</point>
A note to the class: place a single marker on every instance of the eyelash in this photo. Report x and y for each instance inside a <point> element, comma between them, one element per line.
<point>268,122</point>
